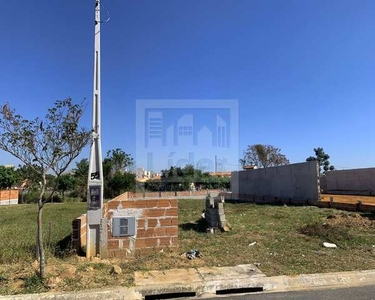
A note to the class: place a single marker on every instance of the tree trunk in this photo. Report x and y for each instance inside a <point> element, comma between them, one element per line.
<point>40,241</point>
<point>40,231</point>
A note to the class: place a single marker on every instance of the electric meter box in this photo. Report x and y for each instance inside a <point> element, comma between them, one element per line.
<point>123,226</point>
<point>95,196</point>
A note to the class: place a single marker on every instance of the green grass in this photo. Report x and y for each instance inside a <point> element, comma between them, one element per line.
<point>289,241</point>
<point>282,246</point>
<point>18,229</point>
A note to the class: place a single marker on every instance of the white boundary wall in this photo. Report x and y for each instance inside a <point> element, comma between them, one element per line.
<point>296,181</point>
<point>350,182</point>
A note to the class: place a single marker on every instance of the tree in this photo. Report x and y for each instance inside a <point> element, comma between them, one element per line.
<point>66,182</point>
<point>44,145</point>
<point>120,183</point>
<point>8,177</point>
<point>81,176</point>
<point>181,179</point>
<point>153,185</point>
<point>51,181</point>
<point>116,178</point>
<point>118,161</point>
<point>263,156</point>
<point>28,178</point>
<point>323,160</point>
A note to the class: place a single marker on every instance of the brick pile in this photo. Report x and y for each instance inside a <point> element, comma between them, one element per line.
<point>214,213</point>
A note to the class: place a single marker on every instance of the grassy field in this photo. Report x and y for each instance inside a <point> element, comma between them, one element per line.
<point>18,229</point>
<point>288,241</point>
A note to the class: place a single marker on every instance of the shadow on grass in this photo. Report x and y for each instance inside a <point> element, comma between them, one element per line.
<point>368,215</point>
<point>198,226</point>
<point>64,247</point>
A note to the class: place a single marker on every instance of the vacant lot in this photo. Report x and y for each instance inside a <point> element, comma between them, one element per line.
<point>288,241</point>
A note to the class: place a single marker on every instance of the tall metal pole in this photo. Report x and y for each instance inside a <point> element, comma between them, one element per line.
<point>95,179</point>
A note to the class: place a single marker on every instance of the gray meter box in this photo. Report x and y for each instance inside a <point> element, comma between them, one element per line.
<point>123,226</point>
<point>95,196</point>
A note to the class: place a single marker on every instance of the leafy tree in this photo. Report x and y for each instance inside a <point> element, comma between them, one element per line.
<point>81,175</point>
<point>28,176</point>
<point>44,145</point>
<point>323,160</point>
<point>28,179</point>
<point>8,177</point>
<point>66,183</point>
<point>116,178</point>
<point>216,182</point>
<point>181,179</point>
<point>117,161</point>
<point>263,156</point>
<point>154,185</point>
<point>120,183</point>
<point>51,181</point>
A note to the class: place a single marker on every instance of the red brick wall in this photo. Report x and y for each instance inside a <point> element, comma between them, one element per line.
<point>187,194</point>
<point>156,226</point>
<point>8,197</point>
<point>79,233</point>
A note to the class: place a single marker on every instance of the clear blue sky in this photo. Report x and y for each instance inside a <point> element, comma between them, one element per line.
<point>302,71</point>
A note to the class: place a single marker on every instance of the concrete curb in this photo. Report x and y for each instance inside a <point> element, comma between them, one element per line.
<point>209,285</point>
<point>269,284</point>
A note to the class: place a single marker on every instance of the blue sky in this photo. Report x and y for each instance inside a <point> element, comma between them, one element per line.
<point>303,71</point>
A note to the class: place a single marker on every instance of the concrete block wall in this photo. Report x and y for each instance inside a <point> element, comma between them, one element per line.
<point>294,183</point>
<point>156,226</point>
<point>350,182</point>
<point>8,197</point>
<point>214,213</point>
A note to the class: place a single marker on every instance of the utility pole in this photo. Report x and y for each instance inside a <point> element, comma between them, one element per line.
<point>95,179</point>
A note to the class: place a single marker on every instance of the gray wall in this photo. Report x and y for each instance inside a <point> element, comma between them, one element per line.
<point>295,181</point>
<point>351,182</point>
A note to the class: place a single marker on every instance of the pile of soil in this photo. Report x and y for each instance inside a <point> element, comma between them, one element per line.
<point>350,221</point>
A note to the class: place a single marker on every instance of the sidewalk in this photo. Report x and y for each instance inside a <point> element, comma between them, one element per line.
<point>212,281</point>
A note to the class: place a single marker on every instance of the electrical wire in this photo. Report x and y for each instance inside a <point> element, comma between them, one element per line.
<point>108,15</point>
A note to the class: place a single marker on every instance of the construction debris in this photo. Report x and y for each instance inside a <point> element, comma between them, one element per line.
<point>192,254</point>
<point>214,214</point>
<point>329,245</point>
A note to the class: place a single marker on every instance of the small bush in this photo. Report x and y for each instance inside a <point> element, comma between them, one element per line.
<point>56,199</point>
<point>31,196</point>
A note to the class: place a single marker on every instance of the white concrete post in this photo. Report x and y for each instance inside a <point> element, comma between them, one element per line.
<point>95,179</point>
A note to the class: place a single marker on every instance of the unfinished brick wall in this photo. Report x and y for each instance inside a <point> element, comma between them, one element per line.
<point>8,197</point>
<point>179,194</point>
<point>79,233</point>
<point>156,226</point>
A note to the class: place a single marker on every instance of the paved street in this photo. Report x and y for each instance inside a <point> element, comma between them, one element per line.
<point>358,293</point>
